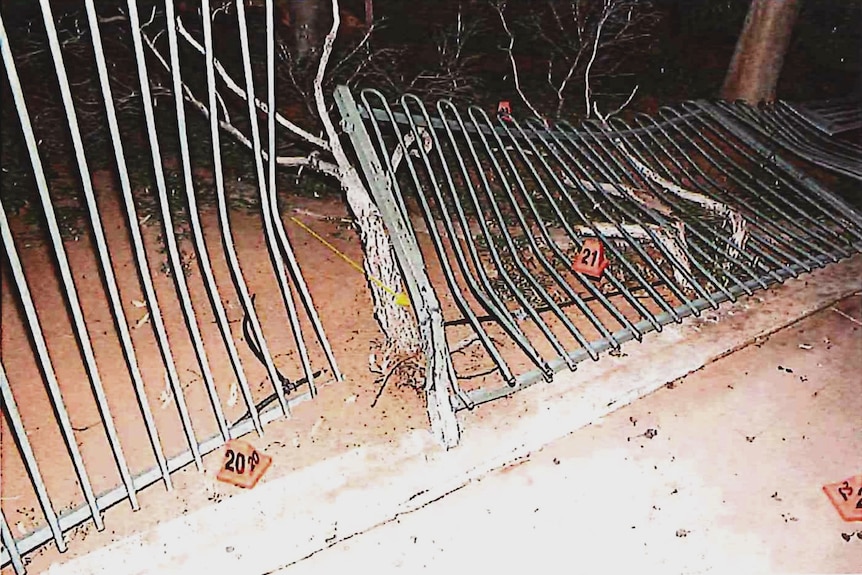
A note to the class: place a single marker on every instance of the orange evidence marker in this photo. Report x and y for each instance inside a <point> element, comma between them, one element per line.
<point>591,259</point>
<point>504,109</point>
<point>846,496</point>
<point>243,465</point>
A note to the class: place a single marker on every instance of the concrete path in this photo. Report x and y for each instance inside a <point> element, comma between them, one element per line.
<point>720,471</point>
<point>723,470</point>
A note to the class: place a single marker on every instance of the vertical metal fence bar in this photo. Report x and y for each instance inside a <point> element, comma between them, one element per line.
<point>203,257</point>
<point>475,114</point>
<point>224,221</point>
<point>33,324</point>
<point>512,250</point>
<point>296,274</point>
<point>122,323</point>
<point>423,298</point>
<point>601,166</point>
<point>552,244</point>
<point>268,215</point>
<point>852,168</point>
<point>85,345</point>
<point>649,157</point>
<point>71,518</point>
<point>591,156</point>
<point>816,230</point>
<point>771,198</point>
<point>489,240</point>
<point>170,240</point>
<point>666,197</point>
<point>197,233</point>
<point>720,234</point>
<point>812,141</point>
<point>389,116</point>
<point>11,546</point>
<point>761,222</point>
<point>488,298</point>
<point>812,145</point>
<point>102,252</point>
<point>439,248</point>
<point>850,150</point>
<point>561,256</point>
<point>10,408</point>
<point>691,230</point>
<point>798,179</point>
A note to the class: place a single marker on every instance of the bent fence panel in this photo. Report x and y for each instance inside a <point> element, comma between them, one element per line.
<point>141,367</point>
<point>687,210</point>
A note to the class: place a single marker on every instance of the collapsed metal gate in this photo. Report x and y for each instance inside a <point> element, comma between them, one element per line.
<point>689,208</point>
<point>807,132</point>
<point>35,354</point>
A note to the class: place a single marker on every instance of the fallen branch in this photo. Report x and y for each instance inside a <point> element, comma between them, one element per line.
<point>237,89</point>
<point>312,160</point>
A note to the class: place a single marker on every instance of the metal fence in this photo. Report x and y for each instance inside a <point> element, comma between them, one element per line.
<point>515,220</point>
<point>42,296</point>
<point>690,208</point>
<point>834,116</point>
<point>802,135</point>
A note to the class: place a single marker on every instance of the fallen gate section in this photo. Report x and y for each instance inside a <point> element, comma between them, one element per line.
<point>688,209</point>
<point>56,522</point>
<point>807,135</point>
<point>834,116</point>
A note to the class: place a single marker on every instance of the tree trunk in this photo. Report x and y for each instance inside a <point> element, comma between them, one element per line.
<point>396,321</point>
<point>756,64</point>
<point>304,17</point>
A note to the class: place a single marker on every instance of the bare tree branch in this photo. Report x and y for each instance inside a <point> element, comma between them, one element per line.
<point>319,98</point>
<point>499,7</point>
<point>237,89</point>
<point>311,161</point>
<point>587,91</point>
<point>622,106</point>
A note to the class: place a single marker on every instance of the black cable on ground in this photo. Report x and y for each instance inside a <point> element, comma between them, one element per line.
<point>287,386</point>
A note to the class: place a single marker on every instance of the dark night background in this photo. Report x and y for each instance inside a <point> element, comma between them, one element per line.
<point>679,50</point>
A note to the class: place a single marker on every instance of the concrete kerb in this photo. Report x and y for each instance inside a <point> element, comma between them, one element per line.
<point>288,519</point>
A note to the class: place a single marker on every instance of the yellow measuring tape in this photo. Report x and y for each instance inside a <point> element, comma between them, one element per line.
<point>400,297</point>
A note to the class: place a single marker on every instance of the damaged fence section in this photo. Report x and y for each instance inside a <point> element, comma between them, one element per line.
<point>144,370</point>
<point>807,133</point>
<point>552,244</point>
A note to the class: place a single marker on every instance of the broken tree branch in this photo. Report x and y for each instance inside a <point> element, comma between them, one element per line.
<point>312,161</point>
<point>237,89</point>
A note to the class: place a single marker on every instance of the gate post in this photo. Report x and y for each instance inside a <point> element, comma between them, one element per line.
<point>423,299</point>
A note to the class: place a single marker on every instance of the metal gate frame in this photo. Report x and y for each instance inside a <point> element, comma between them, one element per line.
<point>281,254</point>
<point>634,176</point>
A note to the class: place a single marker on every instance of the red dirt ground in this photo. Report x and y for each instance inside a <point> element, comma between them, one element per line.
<point>340,418</point>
